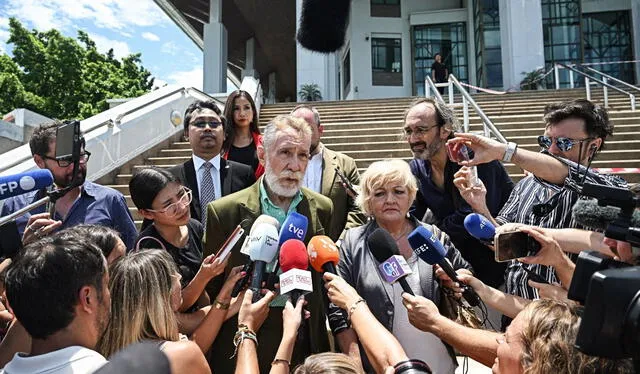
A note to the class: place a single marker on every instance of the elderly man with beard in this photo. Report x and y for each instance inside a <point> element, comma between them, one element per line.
<point>58,290</point>
<point>428,125</point>
<point>88,203</point>
<point>285,155</point>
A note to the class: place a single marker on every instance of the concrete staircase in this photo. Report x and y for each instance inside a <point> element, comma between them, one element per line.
<point>369,130</point>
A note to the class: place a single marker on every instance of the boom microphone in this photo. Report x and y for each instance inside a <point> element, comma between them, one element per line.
<point>18,184</point>
<point>480,228</point>
<point>323,24</point>
<point>427,246</point>
<point>589,214</point>
<point>383,248</point>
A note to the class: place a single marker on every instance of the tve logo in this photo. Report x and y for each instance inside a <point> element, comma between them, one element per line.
<point>297,231</point>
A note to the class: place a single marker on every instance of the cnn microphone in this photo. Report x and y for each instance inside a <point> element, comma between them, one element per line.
<point>324,256</point>
<point>427,246</point>
<point>248,266</point>
<point>383,248</point>
<point>589,214</point>
<point>18,184</point>
<point>480,228</point>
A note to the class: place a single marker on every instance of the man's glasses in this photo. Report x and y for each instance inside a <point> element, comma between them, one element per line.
<point>564,144</point>
<point>203,124</point>
<point>173,209</point>
<point>419,131</point>
<point>66,162</point>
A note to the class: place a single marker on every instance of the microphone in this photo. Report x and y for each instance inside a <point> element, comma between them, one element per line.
<point>323,254</point>
<point>293,227</point>
<point>295,279</point>
<point>589,214</point>
<point>480,228</point>
<point>248,266</point>
<point>264,246</point>
<point>427,246</point>
<point>323,24</point>
<point>383,247</point>
<point>18,184</point>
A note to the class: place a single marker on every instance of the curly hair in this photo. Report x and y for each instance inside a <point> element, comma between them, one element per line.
<point>548,342</point>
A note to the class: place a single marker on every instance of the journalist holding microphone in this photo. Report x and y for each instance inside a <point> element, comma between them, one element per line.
<point>388,190</point>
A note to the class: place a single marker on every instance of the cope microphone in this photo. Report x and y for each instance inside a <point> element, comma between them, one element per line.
<point>246,249</point>
<point>427,246</point>
<point>295,279</point>
<point>391,267</point>
<point>18,184</point>
<point>323,24</point>
<point>480,228</point>
<point>324,256</point>
<point>263,250</point>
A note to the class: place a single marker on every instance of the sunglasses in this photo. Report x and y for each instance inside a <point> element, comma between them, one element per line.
<point>203,124</point>
<point>564,144</point>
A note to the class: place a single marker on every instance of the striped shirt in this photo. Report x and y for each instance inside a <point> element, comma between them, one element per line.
<point>558,201</point>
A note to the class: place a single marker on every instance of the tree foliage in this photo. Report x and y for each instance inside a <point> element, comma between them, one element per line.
<point>310,92</point>
<point>62,77</point>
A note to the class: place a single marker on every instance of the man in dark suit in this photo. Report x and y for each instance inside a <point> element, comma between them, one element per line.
<point>321,176</point>
<point>204,128</point>
<point>285,154</point>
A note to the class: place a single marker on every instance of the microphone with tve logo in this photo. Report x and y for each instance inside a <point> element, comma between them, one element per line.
<point>293,227</point>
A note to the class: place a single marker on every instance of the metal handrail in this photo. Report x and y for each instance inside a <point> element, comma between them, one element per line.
<point>118,119</point>
<point>467,99</point>
<point>430,86</point>
<point>607,76</point>
<point>587,83</point>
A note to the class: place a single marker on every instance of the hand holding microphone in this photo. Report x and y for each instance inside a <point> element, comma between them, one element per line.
<point>38,226</point>
<point>263,250</point>
<point>429,248</point>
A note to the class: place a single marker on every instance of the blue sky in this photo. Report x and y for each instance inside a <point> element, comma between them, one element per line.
<point>127,26</point>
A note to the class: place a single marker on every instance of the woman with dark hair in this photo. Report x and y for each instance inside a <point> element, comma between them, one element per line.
<point>160,197</point>
<point>243,136</point>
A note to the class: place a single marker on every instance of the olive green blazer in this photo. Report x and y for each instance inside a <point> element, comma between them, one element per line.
<point>223,215</point>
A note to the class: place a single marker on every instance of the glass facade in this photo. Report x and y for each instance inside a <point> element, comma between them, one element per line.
<point>487,41</point>
<point>562,33</point>
<point>607,37</point>
<point>450,40</point>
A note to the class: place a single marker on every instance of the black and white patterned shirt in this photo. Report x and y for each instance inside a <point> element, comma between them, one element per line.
<point>557,201</point>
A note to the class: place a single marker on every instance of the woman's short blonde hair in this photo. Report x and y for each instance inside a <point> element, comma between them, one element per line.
<point>548,338</point>
<point>328,363</point>
<point>140,285</point>
<point>382,173</point>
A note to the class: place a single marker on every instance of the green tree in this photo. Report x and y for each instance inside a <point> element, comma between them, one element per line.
<point>310,92</point>
<point>62,77</point>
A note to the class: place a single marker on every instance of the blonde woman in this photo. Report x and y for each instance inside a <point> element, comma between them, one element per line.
<point>145,294</point>
<point>388,189</point>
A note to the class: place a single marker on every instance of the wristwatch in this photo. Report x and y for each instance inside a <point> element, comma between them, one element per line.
<point>509,152</point>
